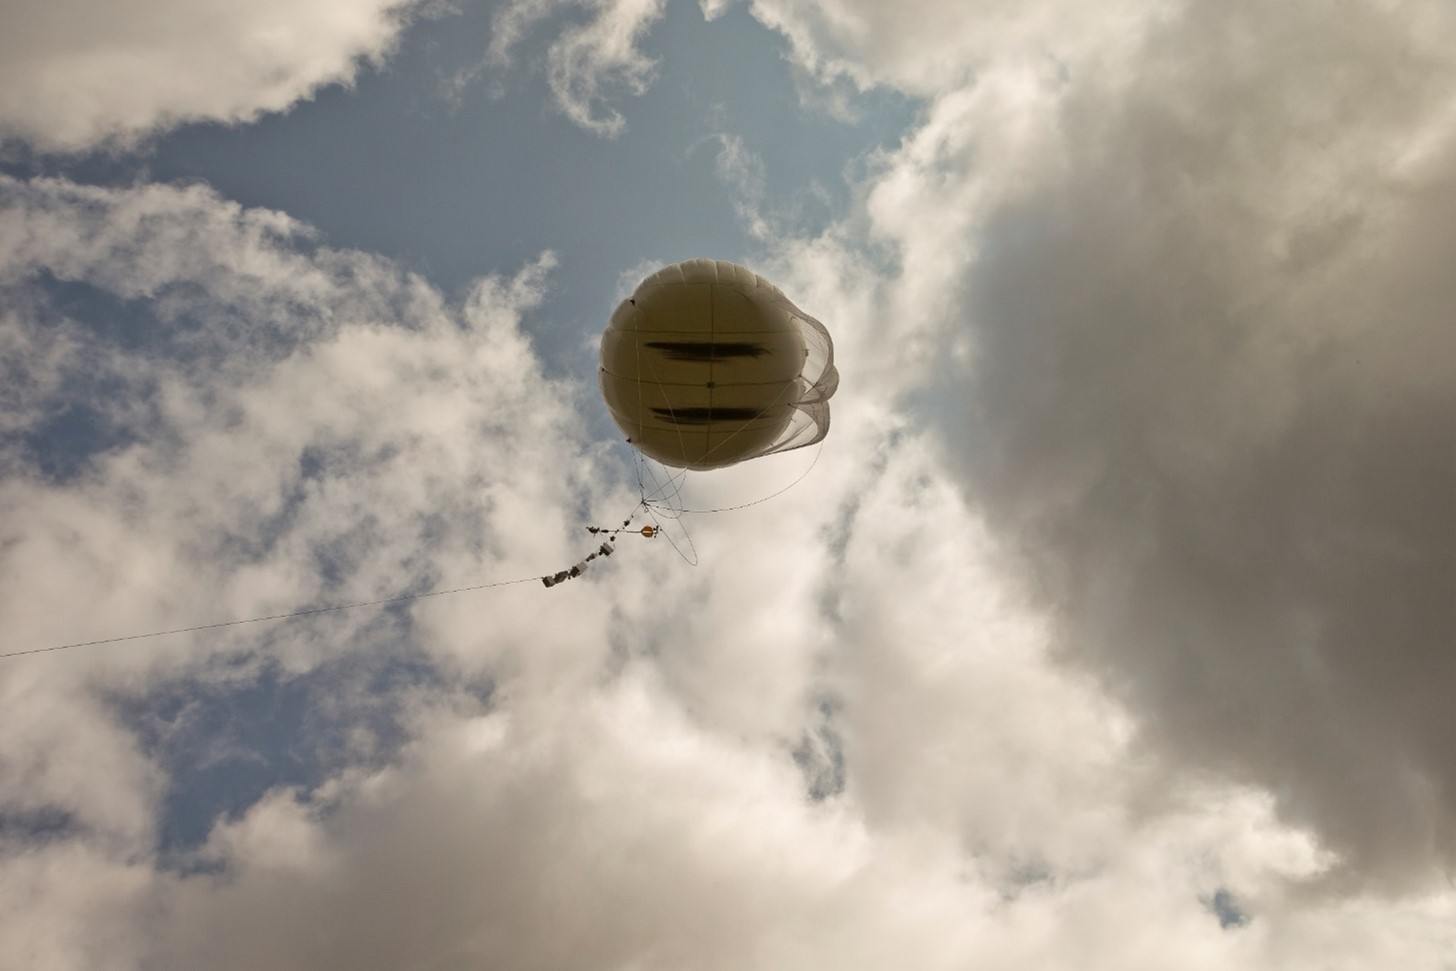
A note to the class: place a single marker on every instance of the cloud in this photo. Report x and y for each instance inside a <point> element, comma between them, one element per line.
<point>284,422</point>
<point>587,64</point>
<point>928,47</point>
<point>1182,297</point>
<point>741,171</point>
<point>282,425</point>
<point>616,832</point>
<point>77,76</point>
<point>844,737</point>
<point>1049,660</point>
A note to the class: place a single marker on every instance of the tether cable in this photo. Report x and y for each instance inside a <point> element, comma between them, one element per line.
<point>259,620</point>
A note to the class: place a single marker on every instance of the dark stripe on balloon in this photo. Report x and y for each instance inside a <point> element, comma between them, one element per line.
<point>707,350</point>
<point>705,416</point>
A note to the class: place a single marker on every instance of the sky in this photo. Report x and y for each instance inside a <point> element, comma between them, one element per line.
<point>1112,626</point>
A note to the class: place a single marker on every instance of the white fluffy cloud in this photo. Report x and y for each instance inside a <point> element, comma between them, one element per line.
<point>77,75</point>
<point>280,425</point>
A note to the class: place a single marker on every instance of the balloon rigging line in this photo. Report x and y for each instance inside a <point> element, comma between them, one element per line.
<point>670,506</point>
<point>661,493</point>
<point>678,512</point>
<point>688,537</point>
<point>658,502</point>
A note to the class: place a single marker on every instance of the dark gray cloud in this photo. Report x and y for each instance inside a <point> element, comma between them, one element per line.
<point>1213,408</point>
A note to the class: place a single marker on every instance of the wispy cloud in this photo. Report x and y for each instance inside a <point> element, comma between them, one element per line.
<point>588,64</point>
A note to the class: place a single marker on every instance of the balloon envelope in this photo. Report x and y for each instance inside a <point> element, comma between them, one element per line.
<point>707,364</point>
